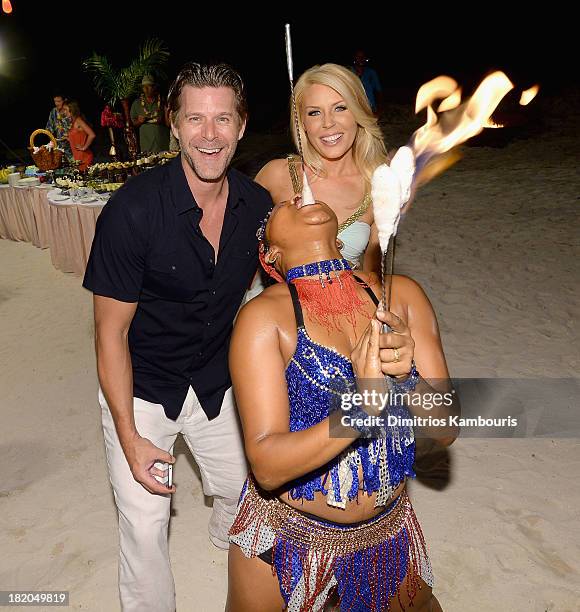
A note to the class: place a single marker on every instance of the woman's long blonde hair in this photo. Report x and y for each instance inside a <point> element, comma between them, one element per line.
<point>368,148</point>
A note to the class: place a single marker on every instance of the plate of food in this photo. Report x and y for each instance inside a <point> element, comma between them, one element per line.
<point>56,197</point>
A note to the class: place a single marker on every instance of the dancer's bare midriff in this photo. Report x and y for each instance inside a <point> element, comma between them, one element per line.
<point>362,508</point>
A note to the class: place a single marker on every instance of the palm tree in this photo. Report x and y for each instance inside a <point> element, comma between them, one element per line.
<point>119,85</point>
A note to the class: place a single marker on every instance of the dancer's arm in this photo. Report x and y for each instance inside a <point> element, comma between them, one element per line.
<point>418,318</point>
<point>257,367</point>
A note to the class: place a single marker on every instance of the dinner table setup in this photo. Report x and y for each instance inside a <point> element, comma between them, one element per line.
<point>49,217</point>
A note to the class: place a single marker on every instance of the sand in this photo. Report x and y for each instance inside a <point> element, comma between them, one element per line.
<point>494,242</point>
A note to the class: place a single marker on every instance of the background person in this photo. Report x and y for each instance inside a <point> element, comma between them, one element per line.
<point>370,80</point>
<point>59,124</point>
<point>80,135</point>
<point>148,115</point>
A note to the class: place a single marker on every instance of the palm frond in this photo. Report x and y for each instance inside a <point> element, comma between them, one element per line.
<point>154,51</point>
<point>152,57</point>
<point>105,78</point>
<point>124,83</point>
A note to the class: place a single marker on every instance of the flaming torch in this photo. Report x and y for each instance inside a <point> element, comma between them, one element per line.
<point>430,151</point>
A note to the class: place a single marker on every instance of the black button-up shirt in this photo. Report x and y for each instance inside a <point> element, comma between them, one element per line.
<point>149,248</point>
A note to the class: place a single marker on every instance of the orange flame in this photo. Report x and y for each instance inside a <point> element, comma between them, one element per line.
<point>490,123</point>
<point>437,88</point>
<point>434,168</point>
<point>7,6</point>
<point>450,102</point>
<point>461,122</point>
<point>529,94</point>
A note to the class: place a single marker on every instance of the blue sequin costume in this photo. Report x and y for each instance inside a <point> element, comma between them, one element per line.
<point>364,564</point>
<point>316,376</point>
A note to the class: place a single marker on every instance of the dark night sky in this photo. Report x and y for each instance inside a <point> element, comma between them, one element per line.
<point>406,52</point>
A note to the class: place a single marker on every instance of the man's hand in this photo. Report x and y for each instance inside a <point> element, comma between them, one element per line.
<point>141,454</point>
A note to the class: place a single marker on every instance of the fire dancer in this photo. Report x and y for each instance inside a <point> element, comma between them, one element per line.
<point>326,518</point>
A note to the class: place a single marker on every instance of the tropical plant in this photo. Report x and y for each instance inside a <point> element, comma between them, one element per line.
<point>114,85</point>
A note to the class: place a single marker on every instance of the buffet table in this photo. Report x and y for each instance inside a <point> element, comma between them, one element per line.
<point>44,217</point>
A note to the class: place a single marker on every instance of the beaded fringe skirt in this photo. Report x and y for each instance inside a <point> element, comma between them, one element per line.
<point>365,562</point>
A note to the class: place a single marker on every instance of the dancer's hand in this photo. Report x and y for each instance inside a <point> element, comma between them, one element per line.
<point>141,454</point>
<point>396,347</point>
<point>366,364</point>
<point>365,358</point>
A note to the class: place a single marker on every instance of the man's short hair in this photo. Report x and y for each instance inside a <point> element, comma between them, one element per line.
<point>207,75</point>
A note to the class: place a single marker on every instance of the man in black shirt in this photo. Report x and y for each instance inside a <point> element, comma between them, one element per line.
<point>174,252</point>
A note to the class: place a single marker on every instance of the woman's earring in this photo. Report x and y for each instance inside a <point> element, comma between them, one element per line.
<point>339,244</point>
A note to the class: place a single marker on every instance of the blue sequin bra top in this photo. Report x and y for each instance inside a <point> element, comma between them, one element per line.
<point>317,376</point>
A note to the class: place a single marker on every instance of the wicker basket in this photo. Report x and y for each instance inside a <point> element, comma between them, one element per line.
<point>45,159</point>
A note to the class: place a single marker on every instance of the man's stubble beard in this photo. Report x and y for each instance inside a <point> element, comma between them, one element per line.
<point>196,170</point>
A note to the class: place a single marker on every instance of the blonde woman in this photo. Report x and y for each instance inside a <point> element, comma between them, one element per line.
<point>342,146</point>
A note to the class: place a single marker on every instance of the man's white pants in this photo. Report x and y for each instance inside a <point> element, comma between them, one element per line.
<point>145,577</point>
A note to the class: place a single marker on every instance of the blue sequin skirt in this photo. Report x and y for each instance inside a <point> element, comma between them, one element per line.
<point>364,564</point>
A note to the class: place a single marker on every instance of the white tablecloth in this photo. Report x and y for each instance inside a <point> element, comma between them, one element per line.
<point>65,227</point>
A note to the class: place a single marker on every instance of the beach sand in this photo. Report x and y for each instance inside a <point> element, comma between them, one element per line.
<point>494,242</point>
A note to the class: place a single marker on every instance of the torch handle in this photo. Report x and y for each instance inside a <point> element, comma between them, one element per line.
<point>385,329</point>
<point>387,265</point>
<point>290,64</point>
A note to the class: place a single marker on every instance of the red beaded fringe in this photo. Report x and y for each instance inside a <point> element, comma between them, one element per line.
<point>329,305</point>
